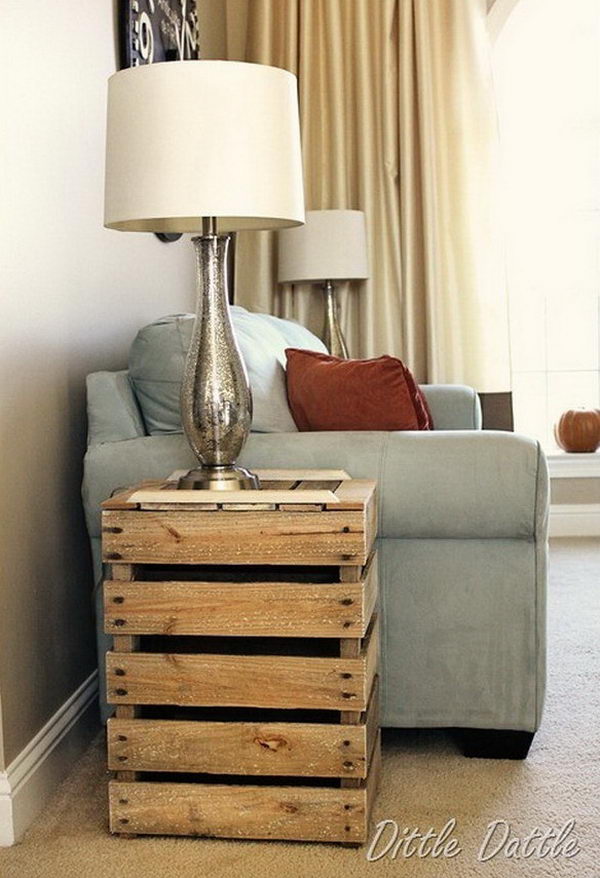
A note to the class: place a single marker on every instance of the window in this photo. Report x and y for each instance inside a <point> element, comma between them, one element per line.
<point>547,73</point>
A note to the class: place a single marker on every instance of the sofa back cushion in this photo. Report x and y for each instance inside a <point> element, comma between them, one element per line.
<point>157,358</point>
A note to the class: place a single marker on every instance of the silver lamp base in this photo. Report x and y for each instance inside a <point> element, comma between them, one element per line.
<point>216,403</point>
<point>219,478</point>
<point>333,337</point>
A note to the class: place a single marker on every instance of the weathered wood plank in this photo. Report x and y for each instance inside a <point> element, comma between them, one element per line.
<point>355,493</point>
<point>374,779</point>
<point>191,537</point>
<point>148,498</point>
<point>370,652</point>
<point>253,609</point>
<point>253,748</point>
<point>231,811</point>
<point>242,681</point>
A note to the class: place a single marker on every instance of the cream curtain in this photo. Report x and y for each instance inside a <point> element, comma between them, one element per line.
<point>398,120</point>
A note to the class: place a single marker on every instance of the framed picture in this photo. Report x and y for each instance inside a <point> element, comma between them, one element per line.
<point>157,30</point>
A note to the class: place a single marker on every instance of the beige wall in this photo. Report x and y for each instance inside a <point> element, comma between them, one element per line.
<point>73,295</point>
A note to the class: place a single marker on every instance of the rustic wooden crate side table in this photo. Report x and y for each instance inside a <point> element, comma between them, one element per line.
<point>244,667</point>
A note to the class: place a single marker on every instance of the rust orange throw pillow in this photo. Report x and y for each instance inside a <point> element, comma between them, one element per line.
<point>327,393</point>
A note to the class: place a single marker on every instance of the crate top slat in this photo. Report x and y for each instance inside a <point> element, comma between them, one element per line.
<point>281,490</point>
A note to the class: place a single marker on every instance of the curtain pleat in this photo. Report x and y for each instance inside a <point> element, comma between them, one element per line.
<point>398,120</point>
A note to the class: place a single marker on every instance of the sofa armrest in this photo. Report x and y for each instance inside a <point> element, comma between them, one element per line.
<point>453,406</point>
<point>432,485</point>
<point>113,412</point>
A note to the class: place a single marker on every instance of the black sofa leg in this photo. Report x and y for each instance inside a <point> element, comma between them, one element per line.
<point>495,743</point>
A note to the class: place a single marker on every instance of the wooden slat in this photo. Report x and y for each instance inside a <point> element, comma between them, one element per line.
<point>374,779</point>
<point>302,474</point>
<point>243,681</point>
<point>370,652</point>
<point>254,609</point>
<point>350,649</point>
<point>120,500</point>
<point>232,811</point>
<point>288,749</point>
<point>148,498</point>
<point>355,493</point>
<point>318,485</point>
<point>371,588</point>
<point>187,537</point>
<point>371,719</point>
<point>126,643</point>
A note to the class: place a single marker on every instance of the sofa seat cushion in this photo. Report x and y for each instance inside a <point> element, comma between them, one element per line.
<point>157,358</point>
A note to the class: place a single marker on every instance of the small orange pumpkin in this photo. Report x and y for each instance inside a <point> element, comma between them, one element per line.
<point>578,430</point>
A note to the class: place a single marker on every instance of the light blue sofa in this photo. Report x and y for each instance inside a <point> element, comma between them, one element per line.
<point>462,536</point>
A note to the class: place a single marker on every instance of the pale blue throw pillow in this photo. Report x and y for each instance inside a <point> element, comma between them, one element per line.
<point>158,353</point>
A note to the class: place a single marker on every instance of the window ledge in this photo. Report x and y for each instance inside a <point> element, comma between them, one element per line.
<point>573,466</point>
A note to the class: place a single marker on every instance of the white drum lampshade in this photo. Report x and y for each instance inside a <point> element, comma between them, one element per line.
<point>332,245</point>
<point>193,139</point>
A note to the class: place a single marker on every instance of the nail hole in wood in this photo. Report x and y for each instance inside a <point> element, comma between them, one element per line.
<point>123,820</point>
<point>118,599</point>
<point>347,624</point>
<point>123,801</point>
<point>346,676</point>
<point>346,530</point>
<point>346,602</point>
<point>348,695</point>
<point>348,764</point>
<point>120,691</point>
<point>119,672</point>
<point>120,622</point>
<point>122,758</point>
<point>346,743</point>
<point>113,556</point>
<point>121,737</point>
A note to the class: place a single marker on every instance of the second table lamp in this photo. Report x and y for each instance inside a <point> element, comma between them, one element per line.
<point>331,246</point>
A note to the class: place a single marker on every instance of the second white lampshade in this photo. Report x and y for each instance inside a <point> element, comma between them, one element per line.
<point>193,139</point>
<point>332,245</point>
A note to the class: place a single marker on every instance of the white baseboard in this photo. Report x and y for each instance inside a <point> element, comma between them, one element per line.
<point>33,776</point>
<point>575,520</point>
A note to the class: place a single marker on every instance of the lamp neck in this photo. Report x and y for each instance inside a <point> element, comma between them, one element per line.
<point>209,226</point>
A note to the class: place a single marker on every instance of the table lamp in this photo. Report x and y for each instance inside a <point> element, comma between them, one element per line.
<point>207,147</point>
<point>332,245</point>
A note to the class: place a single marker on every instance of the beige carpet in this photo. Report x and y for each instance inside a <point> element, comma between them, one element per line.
<point>425,782</point>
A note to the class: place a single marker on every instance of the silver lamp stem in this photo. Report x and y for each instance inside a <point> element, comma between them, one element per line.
<point>332,334</point>
<point>216,402</point>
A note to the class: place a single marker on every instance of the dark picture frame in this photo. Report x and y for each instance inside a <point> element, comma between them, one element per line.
<point>156,30</point>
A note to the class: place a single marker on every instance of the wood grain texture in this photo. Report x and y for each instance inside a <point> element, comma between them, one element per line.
<point>221,537</point>
<point>297,682</point>
<point>355,493</point>
<point>244,811</point>
<point>254,609</point>
<point>374,778</point>
<point>148,498</point>
<point>253,748</point>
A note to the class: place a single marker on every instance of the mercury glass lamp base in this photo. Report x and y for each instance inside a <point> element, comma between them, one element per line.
<point>219,478</point>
